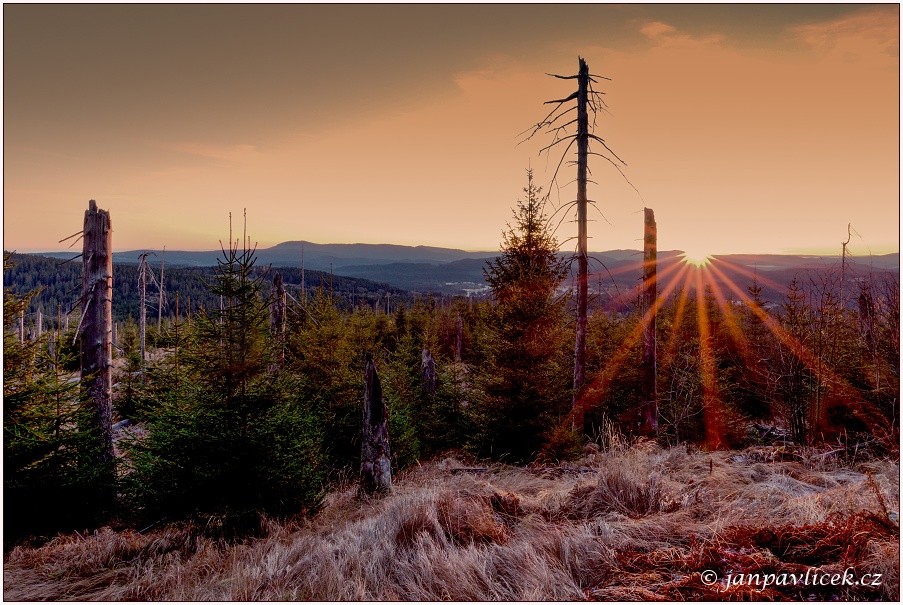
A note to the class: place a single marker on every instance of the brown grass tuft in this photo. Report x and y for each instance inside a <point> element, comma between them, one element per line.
<point>642,526</point>
<point>469,520</point>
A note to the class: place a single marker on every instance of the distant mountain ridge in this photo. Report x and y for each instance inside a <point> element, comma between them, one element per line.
<point>454,271</point>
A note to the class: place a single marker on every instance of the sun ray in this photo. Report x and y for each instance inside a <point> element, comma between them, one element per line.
<point>626,296</point>
<point>759,277</point>
<point>730,317</point>
<point>852,397</point>
<point>695,256</point>
<point>604,377</point>
<point>713,412</point>
<point>671,346</point>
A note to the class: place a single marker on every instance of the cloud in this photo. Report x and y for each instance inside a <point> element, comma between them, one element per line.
<point>657,29</point>
<point>664,35</point>
<point>854,33</point>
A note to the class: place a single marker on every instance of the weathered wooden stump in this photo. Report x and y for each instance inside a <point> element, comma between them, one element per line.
<point>376,459</point>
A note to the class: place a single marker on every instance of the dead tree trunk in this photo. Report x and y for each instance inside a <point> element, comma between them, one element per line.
<point>582,260</point>
<point>648,389</point>
<point>160,302</point>
<point>460,340</point>
<point>428,368</point>
<point>39,325</point>
<point>22,326</point>
<point>376,465</point>
<point>277,317</point>
<point>142,310</point>
<point>97,329</point>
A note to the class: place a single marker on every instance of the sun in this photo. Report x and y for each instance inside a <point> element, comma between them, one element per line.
<point>695,256</point>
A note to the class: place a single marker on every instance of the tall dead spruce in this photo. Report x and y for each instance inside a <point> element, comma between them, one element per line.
<point>376,465</point>
<point>555,124</point>
<point>277,318</point>
<point>648,390</point>
<point>142,309</point>
<point>97,323</point>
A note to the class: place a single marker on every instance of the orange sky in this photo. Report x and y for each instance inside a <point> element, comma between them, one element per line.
<point>756,128</point>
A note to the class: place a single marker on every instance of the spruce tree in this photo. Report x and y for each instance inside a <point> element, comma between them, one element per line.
<point>524,386</point>
<point>229,438</point>
<point>48,459</point>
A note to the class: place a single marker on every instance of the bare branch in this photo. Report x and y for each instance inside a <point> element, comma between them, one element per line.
<point>71,236</point>
<point>563,155</point>
<point>562,101</point>
<point>70,260</point>
<point>561,140</point>
<point>618,168</point>
<point>595,138</point>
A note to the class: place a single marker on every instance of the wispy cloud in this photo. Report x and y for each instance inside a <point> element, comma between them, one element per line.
<point>866,29</point>
<point>663,34</point>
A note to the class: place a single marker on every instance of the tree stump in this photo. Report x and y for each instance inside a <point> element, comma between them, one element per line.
<point>376,465</point>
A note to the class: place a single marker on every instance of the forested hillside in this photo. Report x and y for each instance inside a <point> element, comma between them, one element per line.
<point>59,285</point>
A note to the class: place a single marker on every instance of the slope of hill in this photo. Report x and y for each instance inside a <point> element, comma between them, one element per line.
<point>60,287</point>
<point>635,524</point>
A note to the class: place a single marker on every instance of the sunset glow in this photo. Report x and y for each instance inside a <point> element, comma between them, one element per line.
<point>355,123</point>
<point>696,257</point>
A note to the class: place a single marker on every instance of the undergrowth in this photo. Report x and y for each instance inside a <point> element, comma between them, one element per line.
<point>636,523</point>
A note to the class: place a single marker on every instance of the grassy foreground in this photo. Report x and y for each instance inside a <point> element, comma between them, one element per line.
<point>636,523</point>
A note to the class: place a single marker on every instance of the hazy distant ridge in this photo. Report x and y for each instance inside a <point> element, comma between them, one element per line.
<point>449,270</point>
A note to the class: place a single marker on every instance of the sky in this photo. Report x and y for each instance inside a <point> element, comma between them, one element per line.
<point>746,128</point>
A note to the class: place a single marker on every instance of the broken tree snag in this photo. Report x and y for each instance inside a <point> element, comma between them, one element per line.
<point>142,308</point>
<point>582,261</point>
<point>96,350</point>
<point>376,466</point>
<point>277,317</point>
<point>460,341</point>
<point>161,294</point>
<point>648,390</point>
<point>428,367</point>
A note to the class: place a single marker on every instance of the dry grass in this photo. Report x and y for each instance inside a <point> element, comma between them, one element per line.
<point>642,526</point>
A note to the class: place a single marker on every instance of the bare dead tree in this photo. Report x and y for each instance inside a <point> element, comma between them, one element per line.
<point>376,465</point>
<point>843,261</point>
<point>142,311</point>
<point>162,297</point>
<point>428,368</point>
<point>648,374</point>
<point>554,124</point>
<point>96,344</point>
<point>459,344</point>
<point>277,317</point>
